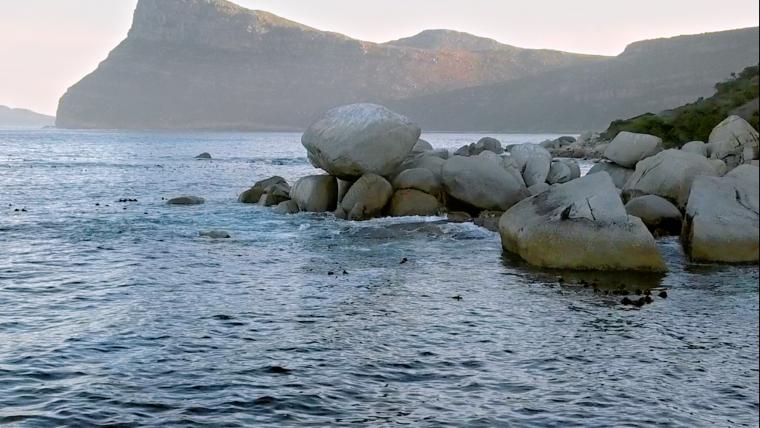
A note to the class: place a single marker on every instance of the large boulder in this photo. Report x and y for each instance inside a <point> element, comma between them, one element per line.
<point>721,221</point>
<point>421,146</point>
<point>427,160</point>
<point>619,174</point>
<point>418,178</point>
<point>696,147</point>
<point>411,202</point>
<point>484,182</point>
<point>533,161</point>
<point>579,225</point>
<point>563,170</point>
<point>353,140</point>
<point>275,194</point>
<point>658,214</point>
<point>253,195</point>
<point>367,197</point>
<point>668,174</point>
<point>628,148</point>
<point>484,144</point>
<point>729,139</point>
<point>315,193</point>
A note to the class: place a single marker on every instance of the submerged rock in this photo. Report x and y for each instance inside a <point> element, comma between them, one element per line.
<point>579,225</point>
<point>287,207</point>
<point>668,174</point>
<point>721,221</point>
<point>458,217</point>
<point>186,200</point>
<point>203,155</point>
<point>353,140</point>
<point>658,214</point>
<point>367,197</point>
<point>215,234</point>
<point>315,193</point>
<point>484,182</point>
<point>628,148</point>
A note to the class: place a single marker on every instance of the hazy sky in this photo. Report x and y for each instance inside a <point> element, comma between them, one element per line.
<point>48,45</point>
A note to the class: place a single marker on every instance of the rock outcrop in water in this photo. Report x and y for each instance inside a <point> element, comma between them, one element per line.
<point>580,225</point>
<point>211,64</point>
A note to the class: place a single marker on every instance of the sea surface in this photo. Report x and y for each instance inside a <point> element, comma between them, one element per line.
<point>121,314</point>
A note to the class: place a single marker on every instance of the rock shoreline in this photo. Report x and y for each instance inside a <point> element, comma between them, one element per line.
<point>533,194</point>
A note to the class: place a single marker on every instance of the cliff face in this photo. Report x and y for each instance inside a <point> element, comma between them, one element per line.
<point>649,76</point>
<point>212,64</point>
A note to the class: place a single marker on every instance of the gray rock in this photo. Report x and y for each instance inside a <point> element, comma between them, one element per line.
<point>563,170</point>
<point>425,160</point>
<point>412,202</point>
<point>343,187</point>
<point>721,221</point>
<point>418,178</point>
<point>186,200</point>
<point>367,197</point>
<point>668,174</point>
<point>422,146</point>
<point>353,140</point>
<point>215,234</point>
<point>483,182</point>
<point>287,207</point>
<point>488,220</point>
<point>619,174</point>
<point>696,147</point>
<point>315,193</point>
<point>538,188</point>
<point>628,148</point>
<point>729,139</point>
<point>658,214</point>
<point>533,161</point>
<point>203,155</point>
<point>275,194</point>
<point>484,144</point>
<point>579,225</point>
<point>253,195</point>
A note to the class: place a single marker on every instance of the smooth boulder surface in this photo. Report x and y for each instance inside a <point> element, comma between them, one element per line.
<point>628,148</point>
<point>729,139</point>
<point>186,200</point>
<point>721,221</point>
<point>533,161</point>
<point>275,194</point>
<point>579,225</point>
<point>315,193</point>
<point>418,178</point>
<point>668,174</point>
<point>563,170</point>
<point>619,174</point>
<point>422,146</point>
<point>427,160</point>
<point>367,197</point>
<point>353,140</point>
<point>287,207</point>
<point>253,195</point>
<point>696,147</point>
<point>658,214</point>
<point>412,202</point>
<point>483,182</point>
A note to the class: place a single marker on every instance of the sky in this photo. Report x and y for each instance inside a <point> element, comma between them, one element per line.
<point>48,45</point>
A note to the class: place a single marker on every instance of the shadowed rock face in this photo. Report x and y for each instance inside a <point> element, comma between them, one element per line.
<point>212,64</point>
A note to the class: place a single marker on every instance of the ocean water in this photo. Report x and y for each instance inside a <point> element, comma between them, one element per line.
<point>121,314</point>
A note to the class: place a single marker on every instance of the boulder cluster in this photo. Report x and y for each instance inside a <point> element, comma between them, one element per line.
<point>376,165</point>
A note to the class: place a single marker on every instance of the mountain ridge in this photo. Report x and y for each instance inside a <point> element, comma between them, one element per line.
<point>212,64</point>
<point>22,117</point>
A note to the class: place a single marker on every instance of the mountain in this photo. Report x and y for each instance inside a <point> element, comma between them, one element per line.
<point>650,75</point>
<point>694,121</point>
<point>215,65</point>
<point>19,117</point>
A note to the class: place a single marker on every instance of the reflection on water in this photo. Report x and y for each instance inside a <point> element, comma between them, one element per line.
<point>120,313</point>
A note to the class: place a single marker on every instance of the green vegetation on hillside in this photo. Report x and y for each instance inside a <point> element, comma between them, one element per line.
<point>694,121</point>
